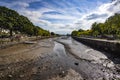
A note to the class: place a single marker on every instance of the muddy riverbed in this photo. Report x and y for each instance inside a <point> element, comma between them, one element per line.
<point>56,59</point>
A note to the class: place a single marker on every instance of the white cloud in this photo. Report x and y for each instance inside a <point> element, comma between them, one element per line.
<point>64,17</point>
<point>109,9</point>
<point>70,14</point>
<point>35,15</point>
<point>72,17</point>
<point>21,4</point>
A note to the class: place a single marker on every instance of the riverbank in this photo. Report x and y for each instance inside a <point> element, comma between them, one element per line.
<point>15,58</point>
<point>6,42</point>
<point>110,46</point>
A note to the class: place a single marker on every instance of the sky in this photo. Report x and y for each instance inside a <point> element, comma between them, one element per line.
<point>64,16</point>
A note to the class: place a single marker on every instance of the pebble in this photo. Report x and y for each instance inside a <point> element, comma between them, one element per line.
<point>17,60</point>
<point>63,72</point>
<point>1,74</point>
<point>21,76</point>
<point>8,67</point>
<point>10,76</point>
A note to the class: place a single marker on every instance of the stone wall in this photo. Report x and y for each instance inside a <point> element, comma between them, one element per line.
<point>100,44</point>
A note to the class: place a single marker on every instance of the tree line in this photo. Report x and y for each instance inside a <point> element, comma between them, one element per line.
<point>111,27</point>
<point>14,22</point>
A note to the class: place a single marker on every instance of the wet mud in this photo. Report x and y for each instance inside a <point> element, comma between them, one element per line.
<point>54,61</point>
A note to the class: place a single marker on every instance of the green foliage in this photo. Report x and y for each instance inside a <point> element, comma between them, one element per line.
<point>75,33</point>
<point>111,27</point>
<point>10,19</point>
<point>81,32</point>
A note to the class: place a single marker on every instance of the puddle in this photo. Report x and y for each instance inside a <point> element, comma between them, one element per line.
<point>59,49</point>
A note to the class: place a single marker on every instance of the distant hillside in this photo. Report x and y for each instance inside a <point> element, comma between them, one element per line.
<point>10,19</point>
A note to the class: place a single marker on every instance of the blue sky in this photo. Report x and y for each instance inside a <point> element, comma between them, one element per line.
<point>63,16</point>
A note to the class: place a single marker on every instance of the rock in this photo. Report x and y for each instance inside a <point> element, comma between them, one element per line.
<point>1,74</point>
<point>17,60</point>
<point>62,74</point>
<point>10,76</point>
<point>9,68</point>
<point>110,65</point>
<point>21,76</point>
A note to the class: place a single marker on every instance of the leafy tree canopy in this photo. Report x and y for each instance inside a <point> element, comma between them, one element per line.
<point>10,19</point>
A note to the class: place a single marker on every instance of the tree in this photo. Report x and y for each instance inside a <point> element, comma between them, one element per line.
<point>52,33</point>
<point>80,30</point>
<point>75,33</point>
<point>10,19</point>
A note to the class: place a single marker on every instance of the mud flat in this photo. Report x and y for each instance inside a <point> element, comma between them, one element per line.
<point>51,59</point>
<point>20,58</point>
<point>44,60</point>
